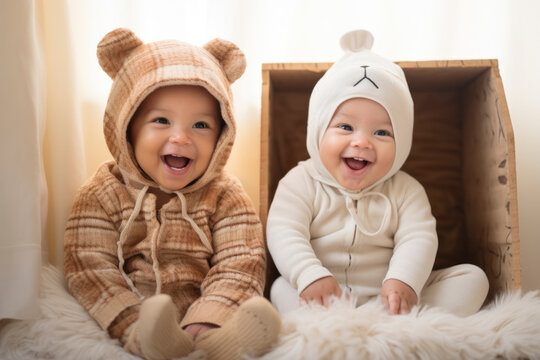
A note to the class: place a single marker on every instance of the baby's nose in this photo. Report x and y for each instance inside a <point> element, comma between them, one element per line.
<point>361,140</point>
<point>180,137</point>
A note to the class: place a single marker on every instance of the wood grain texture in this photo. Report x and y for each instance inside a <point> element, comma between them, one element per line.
<point>435,161</point>
<point>488,195</point>
<point>266,99</point>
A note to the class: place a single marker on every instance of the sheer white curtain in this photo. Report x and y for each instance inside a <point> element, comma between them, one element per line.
<point>23,191</point>
<point>267,31</point>
<point>64,159</point>
<point>41,139</point>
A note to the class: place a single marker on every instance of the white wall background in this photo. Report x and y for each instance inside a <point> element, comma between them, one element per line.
<point>308,31</point>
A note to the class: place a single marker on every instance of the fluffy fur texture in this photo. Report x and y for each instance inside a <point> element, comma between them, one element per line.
<point>508,328</point>
<point>64,330</point>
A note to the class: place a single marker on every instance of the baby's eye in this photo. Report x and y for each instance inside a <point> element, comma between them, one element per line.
<point>345,127</point>
<point>200,125</point>
<point>382,133</point>
<point>161,120</point>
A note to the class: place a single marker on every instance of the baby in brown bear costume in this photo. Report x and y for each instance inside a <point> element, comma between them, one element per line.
<point>162,247</point>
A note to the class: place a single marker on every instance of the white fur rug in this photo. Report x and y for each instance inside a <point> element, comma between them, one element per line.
<point>509,328</point>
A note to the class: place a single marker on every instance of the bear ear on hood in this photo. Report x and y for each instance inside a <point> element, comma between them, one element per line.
<point>231,58</point>
<point>114,48</point>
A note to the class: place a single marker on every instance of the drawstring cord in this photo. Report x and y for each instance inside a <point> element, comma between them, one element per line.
<point>318,172</point>
<point>155,261</point>
<point>154,241</point>
<point>153,246</point>
<point>195,227</point>
<point>353,210</point>
<point>122,240</point>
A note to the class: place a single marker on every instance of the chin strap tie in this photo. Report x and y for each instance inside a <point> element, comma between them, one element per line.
<point>354,209</point>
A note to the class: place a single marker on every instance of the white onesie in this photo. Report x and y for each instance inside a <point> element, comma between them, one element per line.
<point>317,228</point>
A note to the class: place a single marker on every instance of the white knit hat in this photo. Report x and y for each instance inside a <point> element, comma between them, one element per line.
<point>361,74</point>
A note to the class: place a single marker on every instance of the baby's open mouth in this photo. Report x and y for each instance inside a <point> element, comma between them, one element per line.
<point>176,162</point>
<point>356,163</point>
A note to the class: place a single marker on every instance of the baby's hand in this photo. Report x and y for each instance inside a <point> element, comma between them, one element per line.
<point>321,290</point>
<point>398,297</point>
<point>199,328</point>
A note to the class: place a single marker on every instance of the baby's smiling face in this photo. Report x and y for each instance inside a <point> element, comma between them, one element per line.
<point>174,133</point>
<point>358,147</point>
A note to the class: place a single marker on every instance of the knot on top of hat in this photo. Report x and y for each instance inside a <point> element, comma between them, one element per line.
<point>114,48</point>
<point>230,57</point>
<point>356,40</point>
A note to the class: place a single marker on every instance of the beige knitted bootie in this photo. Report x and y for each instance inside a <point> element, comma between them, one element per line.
<point>160,336</point>
<point>252,330</point>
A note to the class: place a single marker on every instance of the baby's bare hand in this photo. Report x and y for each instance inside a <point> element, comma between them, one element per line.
<point>398,297</point>
<point>199,328</point>
<point>321,290</point>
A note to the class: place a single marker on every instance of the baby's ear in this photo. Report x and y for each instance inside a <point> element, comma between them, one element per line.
<point>230,57</point>
<point>114,48</point>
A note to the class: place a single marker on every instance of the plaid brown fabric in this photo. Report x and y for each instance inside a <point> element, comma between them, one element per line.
<point>207,285</point>
<point>137,69</point>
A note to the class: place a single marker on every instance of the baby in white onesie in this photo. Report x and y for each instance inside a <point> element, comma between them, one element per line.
<point>347,220</point>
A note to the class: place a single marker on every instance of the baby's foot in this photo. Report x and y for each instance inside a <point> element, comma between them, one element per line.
<point>251,331</point>
<point>159,334</point>
<point>258,325</point>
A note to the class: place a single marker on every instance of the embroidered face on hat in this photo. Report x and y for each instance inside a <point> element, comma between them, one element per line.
<point>138,69</point>
<point>361,73</point>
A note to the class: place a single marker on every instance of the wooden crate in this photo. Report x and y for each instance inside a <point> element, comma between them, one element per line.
<point>462,152</point>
